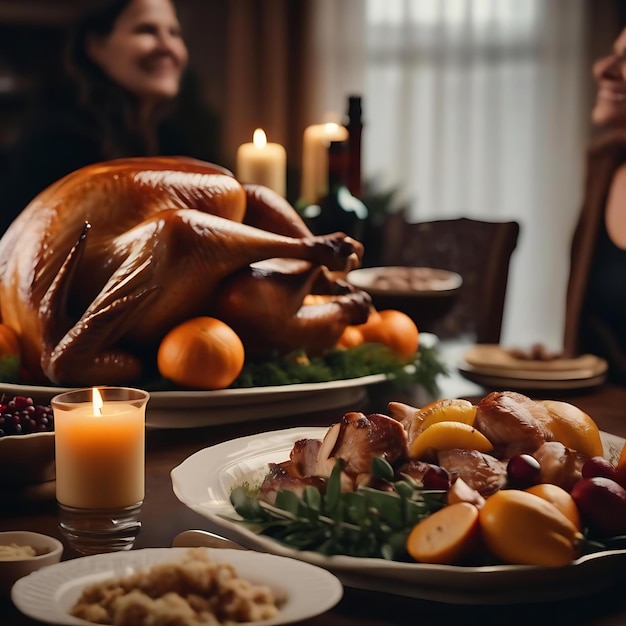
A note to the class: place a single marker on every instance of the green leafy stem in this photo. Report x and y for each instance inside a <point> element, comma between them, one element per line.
<point>363,523</point>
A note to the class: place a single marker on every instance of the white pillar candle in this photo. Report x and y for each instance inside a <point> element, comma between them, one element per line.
<point>263,163</point>
<point>315,145</point>
<point>100,450</point>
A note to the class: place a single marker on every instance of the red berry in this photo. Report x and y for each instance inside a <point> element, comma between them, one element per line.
<point>523,471</point>
<point>20,415</point>
<point>436,478</point>
<point>598,466</point>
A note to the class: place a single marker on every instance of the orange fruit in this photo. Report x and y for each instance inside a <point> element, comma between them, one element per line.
<point>350,338</point>
<point>448,436</point>
<point>201,353</point>
<point>522,528</point>
<point>372,320</point>
<point>369,330</point>
<point>560,498</point>
<point>446,410</point>
<point>394,329</point>
<point>446,536</point>
<point>574,428</point>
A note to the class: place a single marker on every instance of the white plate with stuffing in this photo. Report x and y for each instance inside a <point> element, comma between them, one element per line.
<point>48,594</point>
<point>205,479</point>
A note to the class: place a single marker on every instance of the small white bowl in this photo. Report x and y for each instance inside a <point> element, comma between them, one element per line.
<point>48,552</point>
<point>27,459</point>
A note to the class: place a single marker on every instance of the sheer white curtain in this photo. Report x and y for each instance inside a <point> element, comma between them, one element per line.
<point>478,108</point>
<point>338,50</point>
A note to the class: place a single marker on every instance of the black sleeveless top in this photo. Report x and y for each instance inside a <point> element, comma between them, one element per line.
<point>605,302</point>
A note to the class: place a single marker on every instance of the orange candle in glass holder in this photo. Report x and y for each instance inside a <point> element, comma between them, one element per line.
<point>100,449</point>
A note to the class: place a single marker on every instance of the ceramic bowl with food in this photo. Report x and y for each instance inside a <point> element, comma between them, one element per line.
<point>425,294</point>
<point>26,440</point>
<point>23,552</point>
<point>27,459</point>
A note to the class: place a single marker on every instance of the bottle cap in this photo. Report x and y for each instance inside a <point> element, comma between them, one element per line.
<point>354,109</point>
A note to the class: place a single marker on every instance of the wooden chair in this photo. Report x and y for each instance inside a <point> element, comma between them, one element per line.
<point>479,251</point>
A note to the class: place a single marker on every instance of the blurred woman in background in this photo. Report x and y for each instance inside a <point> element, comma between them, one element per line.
<point>119,96</point>
<point>596,296</point>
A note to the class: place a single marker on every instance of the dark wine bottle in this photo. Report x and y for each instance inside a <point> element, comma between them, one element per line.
<point>339,210</point>
<point>354,125</point>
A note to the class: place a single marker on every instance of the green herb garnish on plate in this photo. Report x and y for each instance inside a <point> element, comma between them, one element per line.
<point>363,523</point>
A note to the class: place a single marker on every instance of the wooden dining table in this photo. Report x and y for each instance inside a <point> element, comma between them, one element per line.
<point>164,517</point>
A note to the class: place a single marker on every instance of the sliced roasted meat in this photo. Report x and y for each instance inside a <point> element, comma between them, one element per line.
<point>404,413</point>
<point>359,438</point>
<point>559,465</point>
<point>416,469</point>
<point>480,471</point>
<point>431,476</point>
<point>513,422</point>
<point>281,477</point>
<point>304,456</point>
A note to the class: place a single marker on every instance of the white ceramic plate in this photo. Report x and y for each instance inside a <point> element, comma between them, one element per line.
<point>204,480</point>
<point>192,409</point>
<point>48,594</point>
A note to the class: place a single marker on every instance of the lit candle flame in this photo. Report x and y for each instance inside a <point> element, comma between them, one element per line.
<point>96,400</point>
<point>330,131</point>
<point>259,139</point>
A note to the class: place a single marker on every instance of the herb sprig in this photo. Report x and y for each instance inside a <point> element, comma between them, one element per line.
<point>423,369</point>
<point>363,523</point>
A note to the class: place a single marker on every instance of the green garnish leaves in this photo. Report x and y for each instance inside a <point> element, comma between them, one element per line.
<point>422,369</point>
<point>363,523</point>
<point>332,501</point>
<point>246,505</point>
<point>289,501</point>
<point>363,360</point>
<point>382,469</point>
<point>589,546</point>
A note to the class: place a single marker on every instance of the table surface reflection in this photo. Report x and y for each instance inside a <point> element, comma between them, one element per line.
<point>163,517</point>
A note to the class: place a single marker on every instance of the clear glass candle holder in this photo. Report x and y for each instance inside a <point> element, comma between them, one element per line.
<point>100,466</point>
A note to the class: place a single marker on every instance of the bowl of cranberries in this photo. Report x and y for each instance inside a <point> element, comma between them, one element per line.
<point>26,440</point>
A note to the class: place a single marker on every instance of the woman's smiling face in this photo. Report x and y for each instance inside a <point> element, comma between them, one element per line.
<point>610,75</point>
<point>145,52</point>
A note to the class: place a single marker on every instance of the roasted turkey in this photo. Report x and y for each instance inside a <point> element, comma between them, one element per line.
<point>104,262</point>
